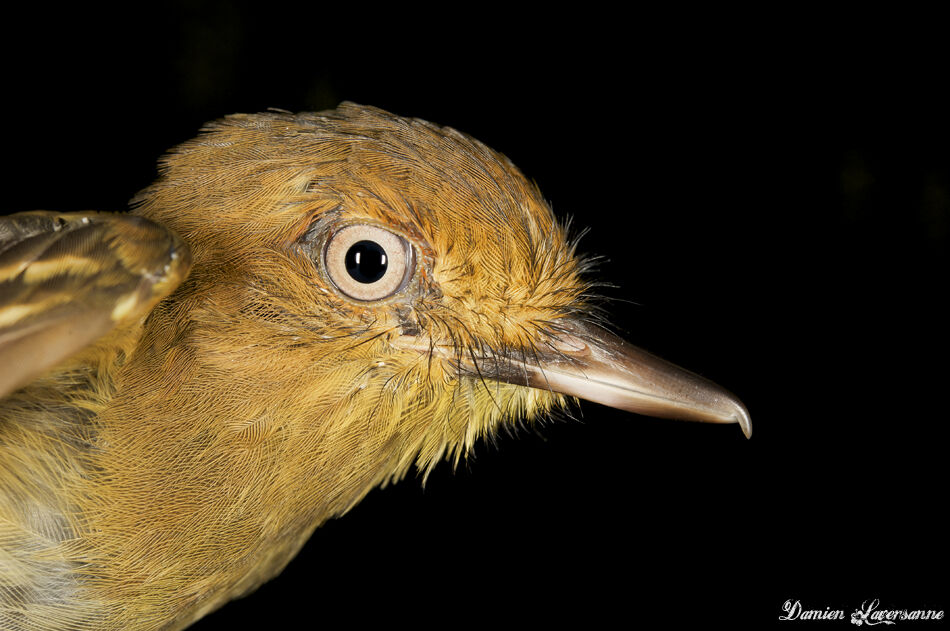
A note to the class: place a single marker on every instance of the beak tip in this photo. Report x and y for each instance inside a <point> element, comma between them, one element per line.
<point>744,420</point>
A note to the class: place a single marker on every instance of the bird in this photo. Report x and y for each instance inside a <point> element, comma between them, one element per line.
<point>301,308</point>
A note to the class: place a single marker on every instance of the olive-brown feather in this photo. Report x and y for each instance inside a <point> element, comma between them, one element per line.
<point>191,454</point>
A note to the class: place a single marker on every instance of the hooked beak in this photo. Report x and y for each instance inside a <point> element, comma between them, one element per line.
<point>591,363</point>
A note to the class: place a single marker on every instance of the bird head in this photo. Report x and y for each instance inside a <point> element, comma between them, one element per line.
<point>369,293</point>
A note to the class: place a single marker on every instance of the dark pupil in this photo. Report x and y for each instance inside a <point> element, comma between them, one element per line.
<point>366,261</point>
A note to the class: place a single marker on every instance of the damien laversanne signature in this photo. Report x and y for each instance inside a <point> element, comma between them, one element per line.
<point>868,613</point>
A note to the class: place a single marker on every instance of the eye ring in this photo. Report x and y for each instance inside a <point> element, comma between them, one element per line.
<point>368,263</point>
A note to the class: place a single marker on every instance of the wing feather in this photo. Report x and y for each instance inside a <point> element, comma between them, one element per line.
<point>67,279</point>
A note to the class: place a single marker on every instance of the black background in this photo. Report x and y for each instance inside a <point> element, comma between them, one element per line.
<point>772,197</point>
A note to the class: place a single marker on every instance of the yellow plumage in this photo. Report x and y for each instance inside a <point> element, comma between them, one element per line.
<point>183,458</point>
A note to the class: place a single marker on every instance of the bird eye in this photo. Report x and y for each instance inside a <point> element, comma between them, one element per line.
<point>368,263</point>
